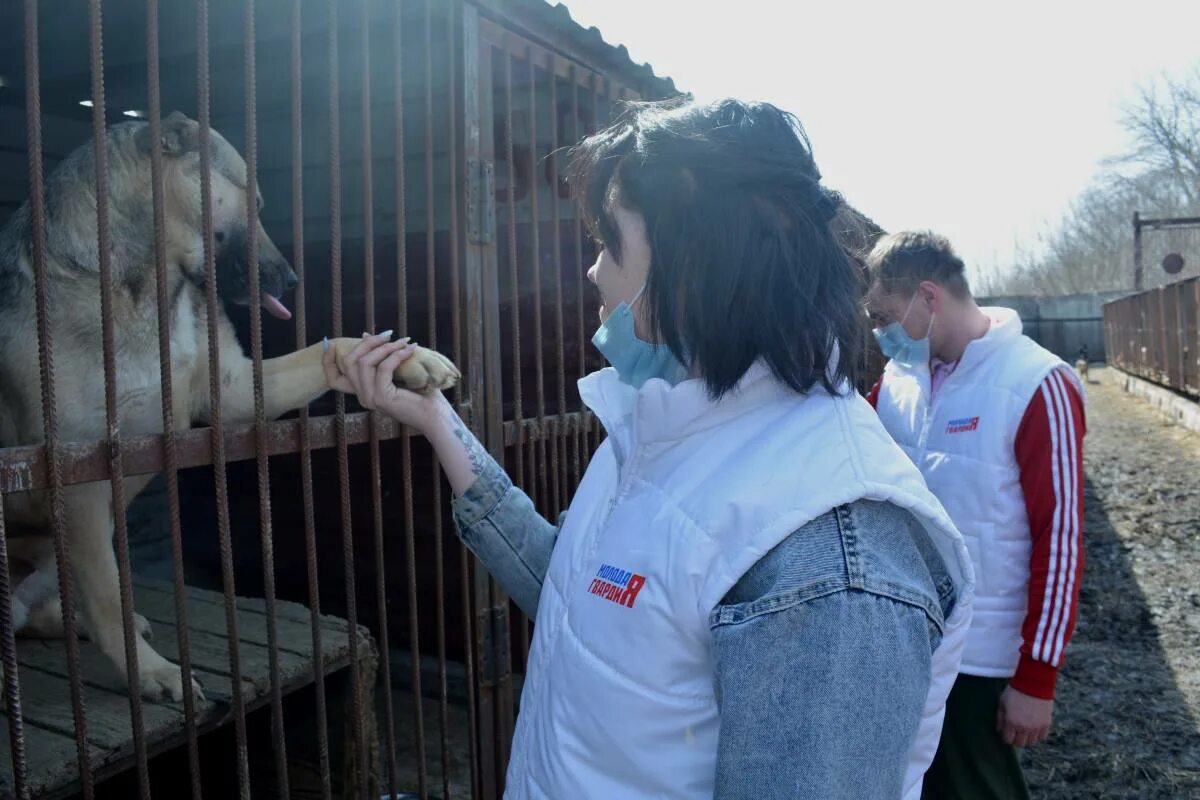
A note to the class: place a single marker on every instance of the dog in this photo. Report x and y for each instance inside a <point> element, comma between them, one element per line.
<point>73,289</point>
<point>1081,366</point>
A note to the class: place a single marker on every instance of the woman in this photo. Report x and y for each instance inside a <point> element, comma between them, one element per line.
<point>752,594</point>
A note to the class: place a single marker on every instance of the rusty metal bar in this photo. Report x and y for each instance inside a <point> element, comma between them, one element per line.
<point>1194,337</point>
<point>46,364</point>
<point>551,443</point>
<point>376,477</point>
<point>576,136</point>
<point>465,560</point>
<point>24,469</point>
<point>414,639</point>
<point>266,539</point>
<point>1138,273</point>
<point>343,454</point>
<point>514,265</point>
<point>1170,222</point>
<point>591,436</point>
<point>523,439</point>
<point>112,417</point>
<point>1179,345</point>
<point>216,429</point>
<point>452,155</point>
<point>532,430</point>
<point>12,683</point>
<point>560,441</point>
<point>492,666</point>
<point>435,474</point>
<point>535,225</point>
<point>306,478</point>
<point>1160,350</point>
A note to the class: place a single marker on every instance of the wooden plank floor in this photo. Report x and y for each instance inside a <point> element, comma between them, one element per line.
<point>46,700</point>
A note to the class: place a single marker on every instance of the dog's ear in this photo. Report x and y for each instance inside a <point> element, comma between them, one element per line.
<point>180,135</point>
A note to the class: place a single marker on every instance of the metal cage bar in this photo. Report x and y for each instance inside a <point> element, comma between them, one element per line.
<point>12,683</point>
<point>549,449</point>
<point>266,539</point>
<point>216,426</point>
<point>466,564</point>
<point>116,481</point>
<point>343,455</point>
<point>368,200</point>
<point>406,461</point>
<point>50,433</point>
<point>306,476</point>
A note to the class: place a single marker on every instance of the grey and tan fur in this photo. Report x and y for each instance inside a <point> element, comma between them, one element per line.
<point>73,286</point>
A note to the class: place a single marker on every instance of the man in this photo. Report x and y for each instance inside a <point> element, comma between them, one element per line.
<point>996,424</point>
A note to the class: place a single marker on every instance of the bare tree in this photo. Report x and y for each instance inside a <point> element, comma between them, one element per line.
<point>1164,124</point>
<point>1091,247</point>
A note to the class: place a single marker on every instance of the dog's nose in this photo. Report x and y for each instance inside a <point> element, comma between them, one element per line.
<point>289,278</point>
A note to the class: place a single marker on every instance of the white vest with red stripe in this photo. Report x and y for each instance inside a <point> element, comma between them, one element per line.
<point>682,499</point>
<point>963,443</point>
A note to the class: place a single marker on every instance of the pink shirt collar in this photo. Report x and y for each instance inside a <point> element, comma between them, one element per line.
<point>938,372</point>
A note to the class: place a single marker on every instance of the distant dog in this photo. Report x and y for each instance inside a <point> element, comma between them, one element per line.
<point>1081,366</point>
<point>73,289</point>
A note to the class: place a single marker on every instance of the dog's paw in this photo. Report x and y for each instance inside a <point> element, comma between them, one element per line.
<point>426,371</point>
<point>164,681</point>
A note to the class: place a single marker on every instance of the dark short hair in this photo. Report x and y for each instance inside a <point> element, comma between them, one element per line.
<point>743,261</point>
<point>899,262</point>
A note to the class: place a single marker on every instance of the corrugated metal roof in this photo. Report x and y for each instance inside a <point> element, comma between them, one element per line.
<point>591,41</point>
<point>855,230</point>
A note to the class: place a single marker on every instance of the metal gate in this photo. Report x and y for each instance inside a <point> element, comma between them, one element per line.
<point>537,308</point>
<point>1155,334</point>
<point>420,143</point>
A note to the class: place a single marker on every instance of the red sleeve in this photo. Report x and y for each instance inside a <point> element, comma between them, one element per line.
<point>873,395</point>
<point>1049,452</point>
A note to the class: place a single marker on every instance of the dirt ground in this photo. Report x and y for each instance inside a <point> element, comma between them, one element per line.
<point>1127,716</point>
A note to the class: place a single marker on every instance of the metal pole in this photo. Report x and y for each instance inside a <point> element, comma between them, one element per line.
<point>1137,251</point>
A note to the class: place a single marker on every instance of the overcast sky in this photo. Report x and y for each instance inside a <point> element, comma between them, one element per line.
<point>979,120</point>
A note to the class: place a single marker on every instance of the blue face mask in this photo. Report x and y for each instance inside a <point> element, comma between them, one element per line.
<point>636,361</point>
<point>896,344</point>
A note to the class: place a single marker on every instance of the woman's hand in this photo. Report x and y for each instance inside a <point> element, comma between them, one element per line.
<point>368,371</point>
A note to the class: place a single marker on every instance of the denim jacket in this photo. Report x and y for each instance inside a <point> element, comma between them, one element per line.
<point>809,707</point>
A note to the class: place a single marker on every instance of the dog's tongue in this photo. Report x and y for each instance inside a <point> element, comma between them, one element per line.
<point>275,308</point>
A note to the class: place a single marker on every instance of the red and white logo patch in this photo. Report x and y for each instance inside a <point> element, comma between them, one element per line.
<point>617,585</point>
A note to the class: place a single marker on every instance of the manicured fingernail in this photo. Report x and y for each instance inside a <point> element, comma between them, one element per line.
<point>365,334</point>
<point>386,334</point>
<point>325,344</point>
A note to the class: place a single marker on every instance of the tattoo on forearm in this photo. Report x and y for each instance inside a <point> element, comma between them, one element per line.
<point>475,452</point>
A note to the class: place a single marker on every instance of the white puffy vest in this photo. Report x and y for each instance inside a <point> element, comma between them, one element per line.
<point>963,444</point>
<point>682,499</point>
